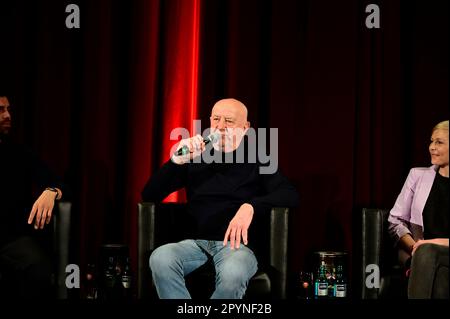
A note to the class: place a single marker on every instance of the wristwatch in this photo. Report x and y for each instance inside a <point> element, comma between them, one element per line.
<point>52,189</point>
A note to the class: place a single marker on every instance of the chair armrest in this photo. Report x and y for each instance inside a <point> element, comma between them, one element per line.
<point>279,225</point>
<point>61,224</point>
<point>146,243</point>
<point>373,234</point>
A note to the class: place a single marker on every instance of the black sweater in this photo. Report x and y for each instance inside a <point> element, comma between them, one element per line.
<point>215,192</point>
<point>435,212</point>
<point>23,177</point>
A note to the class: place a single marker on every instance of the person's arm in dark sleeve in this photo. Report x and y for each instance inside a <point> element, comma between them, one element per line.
<point>51,188</point>
<point>168,179</point>
<point>278,192</point>
<point>44,177</point>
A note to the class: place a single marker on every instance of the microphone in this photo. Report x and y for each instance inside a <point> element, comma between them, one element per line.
<point>211,138</point>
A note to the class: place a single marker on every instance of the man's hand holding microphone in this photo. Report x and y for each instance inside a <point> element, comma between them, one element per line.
<point>192,147</point>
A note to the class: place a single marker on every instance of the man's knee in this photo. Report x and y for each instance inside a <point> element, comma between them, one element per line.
<point>162,257</point>
<point>239,270</point>
<point>36,267</point>
<point>40,271</point>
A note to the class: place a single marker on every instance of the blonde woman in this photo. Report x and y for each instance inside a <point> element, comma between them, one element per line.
<point>419,221</point>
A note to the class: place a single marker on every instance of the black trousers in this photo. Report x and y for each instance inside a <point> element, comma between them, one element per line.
<point>25,270</point>
<point>429,273</point>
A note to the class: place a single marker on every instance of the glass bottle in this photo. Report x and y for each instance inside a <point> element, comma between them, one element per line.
<point>331,278</point>
<point>91,288</point>
<point>109,278</point>
<point>321,282</point>
<point>126,279</point>
<point>305,289</point>
<point>340,285</point>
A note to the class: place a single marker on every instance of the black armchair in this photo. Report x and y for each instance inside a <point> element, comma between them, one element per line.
<point>60,247</point>
<point>269,282</point>
<point>61,240</point>
<point>378,251</point>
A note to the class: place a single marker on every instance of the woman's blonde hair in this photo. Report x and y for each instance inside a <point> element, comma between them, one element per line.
<point>441,126</point>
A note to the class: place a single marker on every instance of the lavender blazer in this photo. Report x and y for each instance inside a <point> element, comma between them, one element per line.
<point>406,215</point>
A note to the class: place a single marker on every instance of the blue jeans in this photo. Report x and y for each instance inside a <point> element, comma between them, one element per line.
<point>170,263</point>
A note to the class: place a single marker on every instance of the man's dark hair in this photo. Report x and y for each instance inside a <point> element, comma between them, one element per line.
<point>4,92</point>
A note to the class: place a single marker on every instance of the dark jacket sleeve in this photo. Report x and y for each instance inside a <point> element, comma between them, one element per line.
<point>168,179</point>
<point>277,192</point>
<point>44,177</point>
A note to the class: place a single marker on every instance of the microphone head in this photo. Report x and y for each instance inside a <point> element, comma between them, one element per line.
<point>213,137</point>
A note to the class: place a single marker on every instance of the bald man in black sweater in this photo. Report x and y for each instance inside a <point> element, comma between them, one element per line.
<point>224,197</point>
